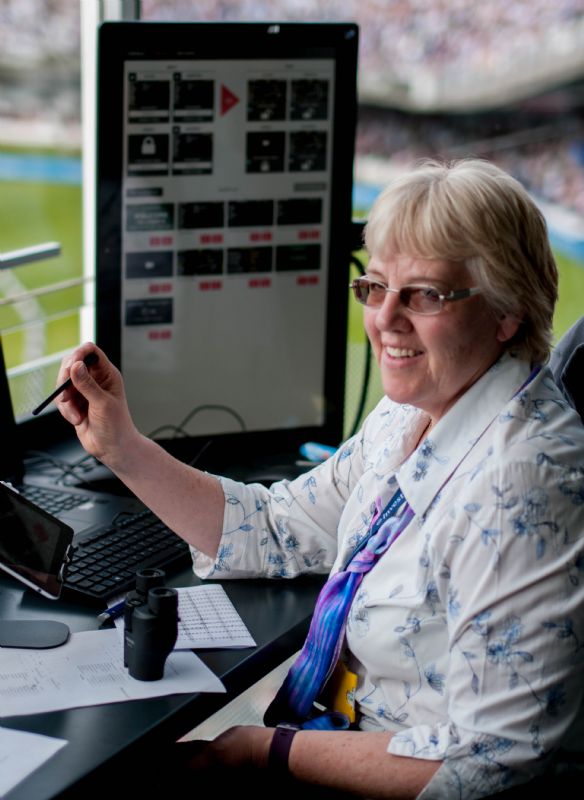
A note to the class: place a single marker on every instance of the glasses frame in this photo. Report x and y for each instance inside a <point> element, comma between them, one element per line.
<point>449,297</point>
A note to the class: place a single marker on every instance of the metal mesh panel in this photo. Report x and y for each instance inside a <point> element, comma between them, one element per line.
<point>28,388</point>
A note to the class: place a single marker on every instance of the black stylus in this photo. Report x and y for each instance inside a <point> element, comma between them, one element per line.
<point>88,361</point>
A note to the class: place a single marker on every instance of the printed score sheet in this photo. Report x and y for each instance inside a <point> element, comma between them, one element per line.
<point>88,670</point>
<point>208,619</point>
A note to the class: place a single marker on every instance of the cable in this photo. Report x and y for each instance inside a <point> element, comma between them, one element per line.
<point>61,471</point>
<point>357,231</point>
<point>174,429</point>
<point>180,430</point>
<point>205,447</point>
<point>210,407</point>
<point>41,462</point>
<point>367,370</point>
<point>357,263</point>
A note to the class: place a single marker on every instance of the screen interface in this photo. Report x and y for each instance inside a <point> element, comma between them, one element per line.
<point>33,545</point>
<point>225,245</point>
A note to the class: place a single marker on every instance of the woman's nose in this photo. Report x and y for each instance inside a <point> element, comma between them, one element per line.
<point>391,313</point>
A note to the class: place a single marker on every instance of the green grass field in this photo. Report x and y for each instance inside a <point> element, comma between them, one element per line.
<point>36,212</point>
<point>32,213</point>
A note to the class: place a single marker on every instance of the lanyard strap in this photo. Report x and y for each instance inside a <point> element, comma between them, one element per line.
<point>378,519</point>
<point>314,665</point>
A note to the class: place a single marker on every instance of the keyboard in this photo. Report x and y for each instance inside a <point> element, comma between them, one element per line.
<point>55,501</point>
<point>105,561</point>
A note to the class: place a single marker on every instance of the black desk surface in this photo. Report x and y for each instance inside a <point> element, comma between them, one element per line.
<point>101,738</point>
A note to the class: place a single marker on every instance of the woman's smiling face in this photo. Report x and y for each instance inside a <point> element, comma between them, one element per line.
<point>429,361</point>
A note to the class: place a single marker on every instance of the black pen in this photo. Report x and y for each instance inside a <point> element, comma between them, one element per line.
<point>88,361</point>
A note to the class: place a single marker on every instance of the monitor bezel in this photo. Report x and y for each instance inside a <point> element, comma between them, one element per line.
<point>118,42</point>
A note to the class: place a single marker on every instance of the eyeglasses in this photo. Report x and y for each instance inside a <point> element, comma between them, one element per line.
<point>418,298</point>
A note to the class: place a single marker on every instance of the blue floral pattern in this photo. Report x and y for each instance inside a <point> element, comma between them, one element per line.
<point>468,635</point>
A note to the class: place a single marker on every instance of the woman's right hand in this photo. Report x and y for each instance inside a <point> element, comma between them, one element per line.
<point>96,405</point>
<point>190,502</point>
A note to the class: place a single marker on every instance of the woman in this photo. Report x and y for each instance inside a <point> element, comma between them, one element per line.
<point>464,638</point>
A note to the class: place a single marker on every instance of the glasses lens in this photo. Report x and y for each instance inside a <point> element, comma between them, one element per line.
<point>369,292</point>
<point>360,290</point>
<point>423,299</point>
<point>376,293</point>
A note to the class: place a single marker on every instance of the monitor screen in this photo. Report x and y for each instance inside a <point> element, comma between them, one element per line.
<point>224,204</point>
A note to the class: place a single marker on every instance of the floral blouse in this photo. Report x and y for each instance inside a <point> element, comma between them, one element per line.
<point>468,635</point>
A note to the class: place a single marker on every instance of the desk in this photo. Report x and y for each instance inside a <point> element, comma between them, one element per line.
<point>101,738</point>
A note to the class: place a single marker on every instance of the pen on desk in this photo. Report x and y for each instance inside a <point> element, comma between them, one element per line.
<point>88,361</point>
<point>113,612</point>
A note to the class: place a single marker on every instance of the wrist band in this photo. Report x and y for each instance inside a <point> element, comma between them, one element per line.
<point>280,747</point>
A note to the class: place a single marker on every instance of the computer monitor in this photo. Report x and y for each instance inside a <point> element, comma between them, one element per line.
<point>11,467</point>
<point>224,180</point>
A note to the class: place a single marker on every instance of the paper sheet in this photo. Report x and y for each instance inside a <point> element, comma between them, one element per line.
<point>21,753</point>
<point>88,671</point>
<point>248,708</point>
<point>207,619</point>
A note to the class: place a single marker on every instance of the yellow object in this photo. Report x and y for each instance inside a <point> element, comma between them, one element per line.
<point>339,692</point>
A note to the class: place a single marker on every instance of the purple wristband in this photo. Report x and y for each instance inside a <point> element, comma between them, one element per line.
<point>280,746</point>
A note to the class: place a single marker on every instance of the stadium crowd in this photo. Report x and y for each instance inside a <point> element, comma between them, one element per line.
<point>545,152</point>
<point>38,32</point>
<point>401,36</point>
<point>397,39</point>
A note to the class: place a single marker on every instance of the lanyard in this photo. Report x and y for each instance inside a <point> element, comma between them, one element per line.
<point>398,498</point>
<point>389,511</point>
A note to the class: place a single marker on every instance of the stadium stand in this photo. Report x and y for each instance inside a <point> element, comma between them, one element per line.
<point>430,55</point>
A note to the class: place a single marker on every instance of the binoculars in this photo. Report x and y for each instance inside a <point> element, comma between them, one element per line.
<point>150,625</point>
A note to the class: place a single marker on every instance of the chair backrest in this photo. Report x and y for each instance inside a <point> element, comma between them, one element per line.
<point>567,366</point>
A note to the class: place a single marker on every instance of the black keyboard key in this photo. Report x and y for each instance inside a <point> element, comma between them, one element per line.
<point>87,583</point>
<point>105,562</point>
<point>72,580</point>
<point>99,588</point>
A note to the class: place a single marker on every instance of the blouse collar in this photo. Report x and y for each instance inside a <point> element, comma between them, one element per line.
<point>428,468</point>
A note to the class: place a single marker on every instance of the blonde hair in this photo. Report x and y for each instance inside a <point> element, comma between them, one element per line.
<point>471,211</point>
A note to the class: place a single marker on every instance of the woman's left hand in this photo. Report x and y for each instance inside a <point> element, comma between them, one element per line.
<point>241,746</point>
<point>345,761</point>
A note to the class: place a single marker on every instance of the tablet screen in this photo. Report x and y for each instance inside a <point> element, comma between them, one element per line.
<point>34,546</point>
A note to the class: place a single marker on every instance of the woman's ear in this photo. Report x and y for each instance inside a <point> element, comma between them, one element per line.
<point>508,327</point>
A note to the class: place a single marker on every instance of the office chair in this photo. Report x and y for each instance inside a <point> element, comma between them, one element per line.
<point>567,366</point>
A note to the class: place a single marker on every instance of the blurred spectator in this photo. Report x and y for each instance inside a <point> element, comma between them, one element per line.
<point>400,39</point>
<point>544,151</point>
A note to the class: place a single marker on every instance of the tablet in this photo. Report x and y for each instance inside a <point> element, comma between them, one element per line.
<point>35,547</point>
